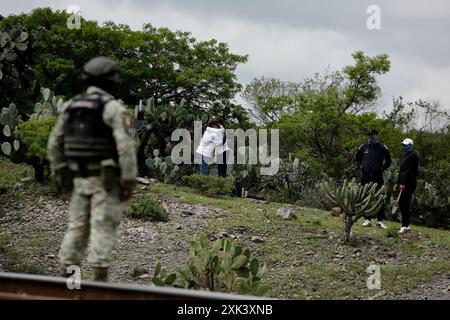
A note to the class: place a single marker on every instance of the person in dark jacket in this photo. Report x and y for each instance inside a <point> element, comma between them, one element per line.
<point>373,157</point>
<point>222,165</point>
<point>407,181</point>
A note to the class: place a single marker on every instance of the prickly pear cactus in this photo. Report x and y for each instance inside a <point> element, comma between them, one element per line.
<point>355,200</point>
<point>12,41</point>
<point>9,119</point>
<point>162,278</point>
<point>49,106</point>
<point>162,169</point>
<point>166,118</point>
<point>223,265</point>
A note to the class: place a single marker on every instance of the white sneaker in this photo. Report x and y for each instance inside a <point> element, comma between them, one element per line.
<point>381,225</point>
<point>404,229</point>
<point>367,223</point>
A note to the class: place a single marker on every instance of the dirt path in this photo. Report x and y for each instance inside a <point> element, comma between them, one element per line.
<point>36,226</point>
<point>35,223</point>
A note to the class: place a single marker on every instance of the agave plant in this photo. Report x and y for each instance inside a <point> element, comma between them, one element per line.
<point>355,200</point>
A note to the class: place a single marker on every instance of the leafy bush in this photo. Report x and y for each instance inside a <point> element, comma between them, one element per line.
<point>432,198</point>
<point>213,184</point>
<point>146,208</point>
<point>34,133</point>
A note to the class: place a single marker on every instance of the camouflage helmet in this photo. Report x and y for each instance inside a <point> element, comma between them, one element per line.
<point>102,68</point>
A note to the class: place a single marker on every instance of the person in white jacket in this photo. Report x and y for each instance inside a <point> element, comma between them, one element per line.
<point>211,144</point>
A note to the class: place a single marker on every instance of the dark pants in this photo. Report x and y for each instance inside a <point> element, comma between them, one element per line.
<point>222,167</point>
<point>379,181</point>
<point>405,205</point>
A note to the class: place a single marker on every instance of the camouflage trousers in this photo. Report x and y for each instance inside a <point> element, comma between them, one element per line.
<point>95,214</point>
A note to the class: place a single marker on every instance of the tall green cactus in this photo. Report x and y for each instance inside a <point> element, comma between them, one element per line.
<point>355,200</point>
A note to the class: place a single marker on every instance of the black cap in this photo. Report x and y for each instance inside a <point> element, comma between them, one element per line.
<point>372,132</point>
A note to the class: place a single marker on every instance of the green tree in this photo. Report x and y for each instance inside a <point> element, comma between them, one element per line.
<point>269,98</point>
<point>156,62</point>
<point>330,114</point>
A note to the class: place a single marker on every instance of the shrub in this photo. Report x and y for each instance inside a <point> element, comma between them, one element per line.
<point>34,133</point>
<point>213,184</point>
<point>146,208</point>
<point>432,196</point>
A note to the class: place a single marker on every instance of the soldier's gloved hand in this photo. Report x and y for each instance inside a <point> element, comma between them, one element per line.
<point>395,187</point>
<point>126,194</point>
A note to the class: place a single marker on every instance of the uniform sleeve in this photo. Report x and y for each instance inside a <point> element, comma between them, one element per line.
<point>116,116</point>
<point>55,143</point>
<point>387,158</point>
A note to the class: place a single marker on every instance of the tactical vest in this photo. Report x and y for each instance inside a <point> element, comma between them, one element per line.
<point>86,136</point>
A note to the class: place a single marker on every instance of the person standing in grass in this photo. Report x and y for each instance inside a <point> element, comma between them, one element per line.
<point>407,181</point>
<point>374,158</point>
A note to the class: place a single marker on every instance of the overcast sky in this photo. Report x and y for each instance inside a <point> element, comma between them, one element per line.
<point>291,40</point>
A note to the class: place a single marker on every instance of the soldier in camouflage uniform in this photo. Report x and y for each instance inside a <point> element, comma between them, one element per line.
<point>92,153</point>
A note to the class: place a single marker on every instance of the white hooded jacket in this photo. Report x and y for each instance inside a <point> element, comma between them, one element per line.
<point>212,140</point>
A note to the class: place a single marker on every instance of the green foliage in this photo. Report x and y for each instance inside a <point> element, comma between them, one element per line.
<point>155,62</point>
<point>34,135</point>
<point>48,107</point>
<point>9,118</point>
<point>162,169</point>
<point>432,196</point>
<point>270,98</point>
<point>16,60</point>
<point>325,112</point>
<point>146,208</point>
<point>27,141</point>
<point>214,184</point>
<point>164,120</point>
<point>162,278</point>
<point>252,284</point>
<point>223,265</point>
<point>355,200</point>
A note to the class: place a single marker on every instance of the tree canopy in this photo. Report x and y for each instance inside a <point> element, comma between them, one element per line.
<point>156,62</point>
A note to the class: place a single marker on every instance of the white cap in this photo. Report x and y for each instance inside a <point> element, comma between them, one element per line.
<point>408,141</point>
